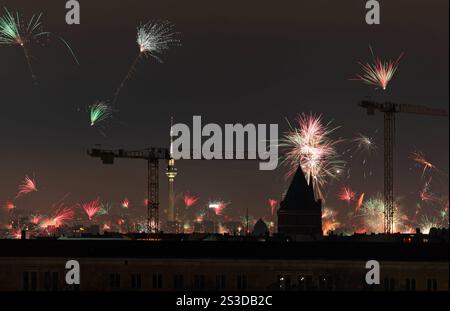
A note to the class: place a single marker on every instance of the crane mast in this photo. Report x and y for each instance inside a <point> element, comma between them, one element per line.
<point>389,110</point>
<point>152,156</point>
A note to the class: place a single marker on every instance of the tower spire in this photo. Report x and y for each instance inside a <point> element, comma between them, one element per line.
<point>171,173</point>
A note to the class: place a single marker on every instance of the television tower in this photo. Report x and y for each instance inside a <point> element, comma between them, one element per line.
<point>171,173</point>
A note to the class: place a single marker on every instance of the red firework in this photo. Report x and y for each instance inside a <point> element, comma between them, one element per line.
<point>273,205</point>
<point>218,207</point>
<point>346,194</point>
<point>28,185</point>
<point>379,73</point>
<point>91,208</point>
<point>9,205</point>
<point>360,201</point>
<point>190,200</point>
<point>126,203</point>
<point>62,215</point>
<point>419,158</point>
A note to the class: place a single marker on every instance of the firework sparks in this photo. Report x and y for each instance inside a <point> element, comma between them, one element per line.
<point>99,112</point>
<point>329,222</point>
<point>35,219</point>
<point>190,200</point>
<point>27,186</point>
<point>273,206</point>
<point>419,158</point>
<point>310,146</point>
<point>380,73</point>
<point>425,194</point>
<point>218,206</point>
<point>62,215</point>
<point>16,31</point>
<point>346,194</point>
<point>360,201</point>
<point>426,223</point>
<point>9,205</point>
<point>372,215</point>
<point>153,39</point>
<point>91,208</point>
<point>364,143</point>
<point>126,203</point>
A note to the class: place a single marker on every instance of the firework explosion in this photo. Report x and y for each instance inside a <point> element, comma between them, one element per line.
<point>126,203</point>
<point>153,39</point>
<point>27,186</point>
<point>104,210</point>
<point>9,205</point>
<point>364,143</point>
<point>17,32</point>
<point>425,194</point>
<point>329,222</point>
<point>35,219</point>
<point>273,206</point>
<point>420,159</point>
<point>346,194</point>
<point>380,73</point>
<point>189,200</point>
<point>360,201</point>
<point>310,146</point>
<point>62,215</point>
<point>99,112</point>
<point>91,208</point>
<point>372,216</point>
<point>426,223</point>
<point>218,206</point>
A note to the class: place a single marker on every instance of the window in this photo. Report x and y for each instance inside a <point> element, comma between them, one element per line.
<point>432,285</point>
<point>47,282</point>
<point>325,282</point>
<point>33,281</point>
<point>389,284</point>
<point>178,281</point>
<point>199,281</point>
<point>157,280</point>
<point>220,281</point>
<point>25,281</point>
<point>242,282</point>
<point>55,281</point>
<point>114,280</point>
<point>135,281</point>
<point>410,284</point>
<point>304,282</point>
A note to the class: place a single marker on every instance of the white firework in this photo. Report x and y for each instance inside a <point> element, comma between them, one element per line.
<point>155,37</point>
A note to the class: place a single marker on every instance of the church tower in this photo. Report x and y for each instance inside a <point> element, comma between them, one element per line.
<point>300,213</point>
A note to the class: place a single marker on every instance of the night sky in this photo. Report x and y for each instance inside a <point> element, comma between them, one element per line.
<point>240,62</point>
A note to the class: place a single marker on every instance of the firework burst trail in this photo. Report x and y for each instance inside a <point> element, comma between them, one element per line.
<point>28,186</point>
<point>273,205</point>
<point>380,73</point>
<point>99,112</point>
<point>15,31</point>
<point>346,194</point>
<point>91,208</point>
<point>360,201</point>
<point>153,38</point>
<point>190,200</point>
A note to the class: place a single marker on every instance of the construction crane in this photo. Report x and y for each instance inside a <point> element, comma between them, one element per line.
<point>389,110</point>
<point>152,156</point>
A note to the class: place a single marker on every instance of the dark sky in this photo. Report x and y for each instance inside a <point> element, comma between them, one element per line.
<point>240,61</point>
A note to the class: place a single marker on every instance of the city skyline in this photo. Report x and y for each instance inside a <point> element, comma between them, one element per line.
<point>236,64</point>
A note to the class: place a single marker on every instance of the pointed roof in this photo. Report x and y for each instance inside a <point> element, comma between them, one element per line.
<point>300,195</point>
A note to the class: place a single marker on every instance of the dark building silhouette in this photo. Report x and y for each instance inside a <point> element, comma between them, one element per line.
<point>260,228</point>
<point>300,213</point>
